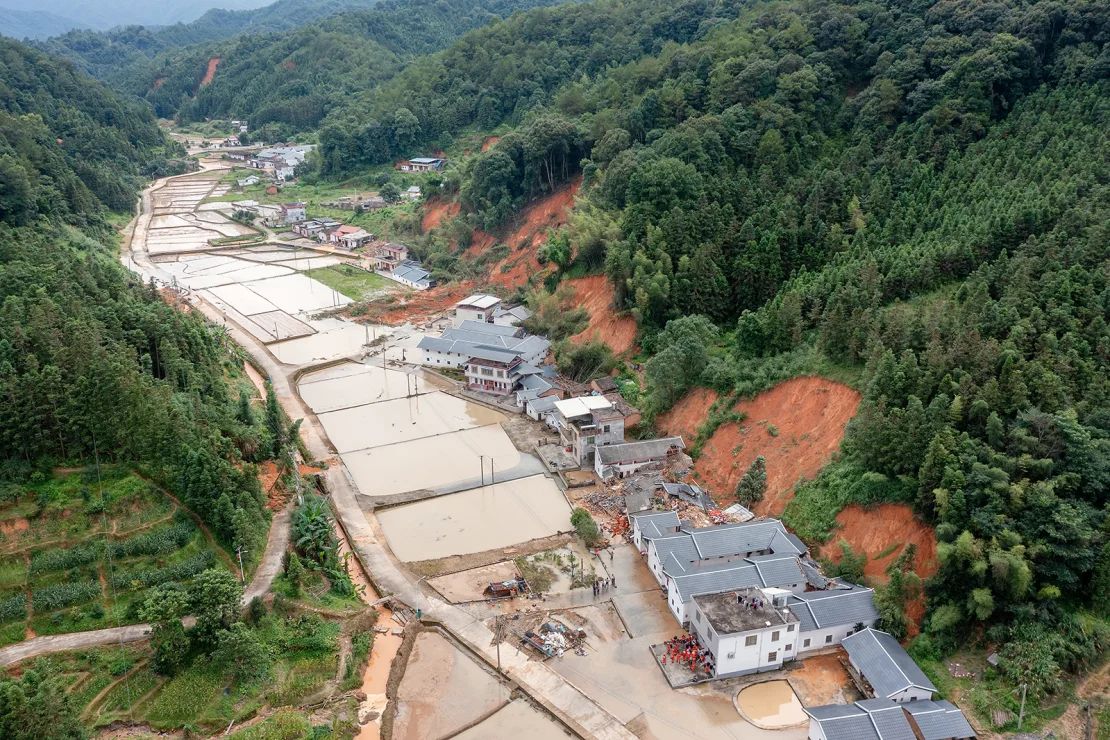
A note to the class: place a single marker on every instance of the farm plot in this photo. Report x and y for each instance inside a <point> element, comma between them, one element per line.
<point>78,554</point>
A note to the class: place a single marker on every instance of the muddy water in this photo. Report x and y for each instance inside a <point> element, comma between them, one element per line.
<point>443,691</point>
<point>771,704</point>
<point>370,384</point>
<point>476,520</point>
<point>385,648</point>
<point>403,467</point>
<point>518,719</point>
<point>403,419</point>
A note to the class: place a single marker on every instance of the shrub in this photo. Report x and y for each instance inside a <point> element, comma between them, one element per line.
<point>585,526</point>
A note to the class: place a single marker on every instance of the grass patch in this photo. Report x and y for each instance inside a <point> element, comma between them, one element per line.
<point>282,725</point>
<point>351,281</point>
<point>194,696</point>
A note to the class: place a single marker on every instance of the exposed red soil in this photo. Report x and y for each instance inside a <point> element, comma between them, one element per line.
<point>11,526</point>
<point>419,306</point>
<point>884,527</point>
<point>595,294</point>
<point>490,142</point>
<point>880,528</point>
<point>529,233</point>
<point>158,82</point>
<point>436,211</point>
<point>288,65</point>
<point>210,73</point>
<point>809,414</point>
<point>686,417</point>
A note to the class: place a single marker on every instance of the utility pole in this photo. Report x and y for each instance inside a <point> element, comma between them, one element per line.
<point>482,465</point>
<point>1021,713</point>
<point>242,572</point>
<point>491,471</point>
<point>497,638</point>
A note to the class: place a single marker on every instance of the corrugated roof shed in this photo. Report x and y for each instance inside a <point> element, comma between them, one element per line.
<point>478,300</point>
<point>884,663</point>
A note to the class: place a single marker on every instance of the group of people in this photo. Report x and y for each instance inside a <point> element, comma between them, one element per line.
<point>603,584</point>
<point>685,650</point>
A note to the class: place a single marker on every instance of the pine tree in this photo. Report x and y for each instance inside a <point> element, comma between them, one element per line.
<point>753,485</point>
<point>245,414</point>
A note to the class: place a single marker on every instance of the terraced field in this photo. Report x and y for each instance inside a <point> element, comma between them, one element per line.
<point>79,551</point>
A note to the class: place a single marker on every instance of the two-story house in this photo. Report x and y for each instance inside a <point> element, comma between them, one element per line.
<point>586,424</point>
<point>746,631</point>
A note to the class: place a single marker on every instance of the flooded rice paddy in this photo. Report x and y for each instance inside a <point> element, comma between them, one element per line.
<point>518,719</point>
<point>402,419</point>
<point>452,461</point>
<point>770,705</point>
<point>476,520</point>
<point>443,691</point>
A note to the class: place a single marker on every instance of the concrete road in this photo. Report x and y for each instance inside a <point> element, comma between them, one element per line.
<point>547,687</point>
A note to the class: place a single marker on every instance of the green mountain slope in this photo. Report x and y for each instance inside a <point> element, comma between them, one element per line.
<point>290,79</point>
<point>916,192</point>
<point>92,362</point>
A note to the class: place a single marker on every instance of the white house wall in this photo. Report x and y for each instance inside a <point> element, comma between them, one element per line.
<point>824,638</point>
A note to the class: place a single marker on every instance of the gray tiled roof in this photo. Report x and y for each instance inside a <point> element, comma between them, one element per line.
<point>733,539</point>
<point>483,327</point>
<point>542,404</point>
<point>939,720</point>
<point>778,570</point>
<point>834,607</point>
<point>739,575</point>
<point>889,719</point>
<point>873,719</point>
<point>882,661</point>
<point>813,574</point>
<point>680,546</point>
<point>648,449</point>
<point>653,523</point>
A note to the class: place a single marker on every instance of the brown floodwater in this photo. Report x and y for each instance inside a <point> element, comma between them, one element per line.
<point>460,460</point>
<point>403,419</point>
<point>476,520</point>
<point>771,704</point>
<point>376,674</point>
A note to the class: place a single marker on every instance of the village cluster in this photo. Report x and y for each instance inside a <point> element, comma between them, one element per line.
<point>745,590</point>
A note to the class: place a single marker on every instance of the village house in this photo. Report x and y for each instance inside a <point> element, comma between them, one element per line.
<point>533,388</point>
<point>625,459</point>
<point>883,719</point>
<point>248,180</point>
<point>495,371</point>
<point>542,409</point>
<point>748,630</point>
<point>280,162</point>
<point>422,164</point>
<point>348,236</point>
<point>885,666</point>
<point>237,156</point>
<point>458,344</point>
<point>411,193</point>
<point>651,525</point>
<point>510,315</point>
<point>477,307</point>
<point>587,424</point>
<point>387,255</point>
<point>410,273</point>
<point>292,213</point>
<point>316,228</point>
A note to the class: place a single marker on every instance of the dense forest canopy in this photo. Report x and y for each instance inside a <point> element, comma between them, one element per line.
<point>92,363</point>
<point>67,144</point>
<point>916,190</point>
<point>282,82</point>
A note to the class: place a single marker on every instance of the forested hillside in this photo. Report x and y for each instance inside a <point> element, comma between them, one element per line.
<point>281,82</point>
<point>916,193</point>
<point>91,362</point>
<point>68,145</point>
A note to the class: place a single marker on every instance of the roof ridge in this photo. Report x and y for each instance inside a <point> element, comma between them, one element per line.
<point>882,647</point>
